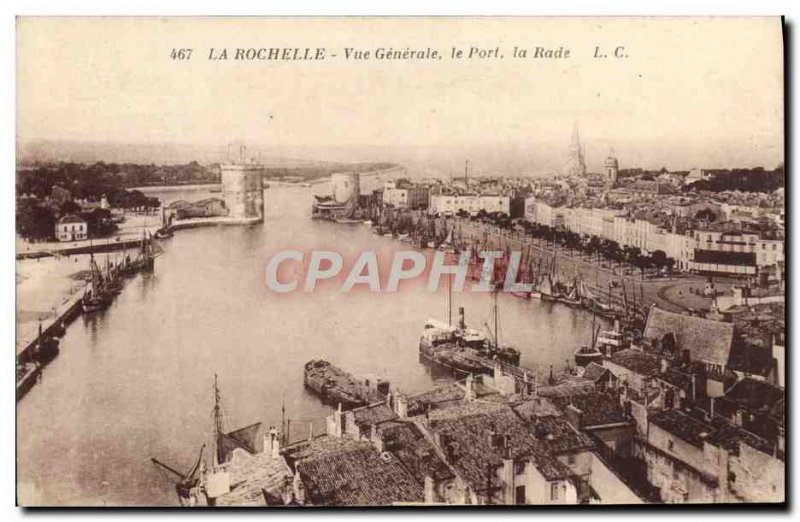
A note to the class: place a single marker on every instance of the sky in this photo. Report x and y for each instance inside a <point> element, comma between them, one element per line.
<point>691,92</point>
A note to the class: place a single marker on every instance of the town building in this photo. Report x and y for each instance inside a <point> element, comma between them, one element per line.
<point>71,228</point>
<point>404,194</point>
<point>452,204</point>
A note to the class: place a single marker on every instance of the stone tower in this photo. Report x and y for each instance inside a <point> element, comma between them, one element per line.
<point>243,191</point>
<point>611,170</point>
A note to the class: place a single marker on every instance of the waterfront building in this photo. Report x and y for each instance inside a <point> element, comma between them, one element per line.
<point>405,195</point>
<point>450,204</point>
<point>209,207</point>
<point>71,228</point>
<point>243,191</point>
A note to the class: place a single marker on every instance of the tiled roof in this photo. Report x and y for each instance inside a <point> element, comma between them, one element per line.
<point>566,388</point>
<point>729,437</point>
<point>414,451</point>
<point>686,428</point>
<point>437,396</point>
<point>466,442</point>
<point>594,371</point>
<point>758,397</point>
<point>707,340</point>
<point>555,435</point>
<point>750,359</point>
<point>677,378</point>
<point>718,433</point>
<point>643,363</point>
<point>71,218</point>
<point>535,408</point>
<point>545,432</point>
<point>596,409</point>
<point>373,414</point>
<point>350,473</point>
<point>550,467</point>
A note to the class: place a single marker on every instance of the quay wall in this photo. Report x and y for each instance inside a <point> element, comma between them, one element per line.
<point>82,249</point>
<point>70,310</point>
<point>179,224</point>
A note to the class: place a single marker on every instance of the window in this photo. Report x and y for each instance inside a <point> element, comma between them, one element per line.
<point>519,495</point>
<point>571,458</point>
<point>670,445</point>
<point>554,491</point>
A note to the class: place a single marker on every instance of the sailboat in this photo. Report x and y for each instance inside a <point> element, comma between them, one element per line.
<point>506,354</point>
<point>202,482</point>
<point>572,298</point>
<point>113,278</point>
<point>588,354</point>
<point>187,484</point>
<point>95,295</point>
<point>149,250</point>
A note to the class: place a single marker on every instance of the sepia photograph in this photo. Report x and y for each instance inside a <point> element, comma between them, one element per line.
<point>400,261</point>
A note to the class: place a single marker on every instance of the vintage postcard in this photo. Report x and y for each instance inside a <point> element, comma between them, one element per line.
<point>400,261</point>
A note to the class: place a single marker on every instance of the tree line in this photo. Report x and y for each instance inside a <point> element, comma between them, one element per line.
<point>597,248</point>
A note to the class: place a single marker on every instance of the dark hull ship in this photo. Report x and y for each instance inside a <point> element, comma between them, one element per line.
<point>337,387</point>
<point>585,355</point>
<point>462,349</point>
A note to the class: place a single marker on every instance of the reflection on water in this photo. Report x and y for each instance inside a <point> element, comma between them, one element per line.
<point>135,381</point>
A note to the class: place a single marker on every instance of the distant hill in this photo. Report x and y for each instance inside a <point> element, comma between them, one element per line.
<point>40,152</point>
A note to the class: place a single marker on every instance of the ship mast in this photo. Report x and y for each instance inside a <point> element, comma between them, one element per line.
<point>449,300</point>
<point>496,333</point>
<point>217,424</point>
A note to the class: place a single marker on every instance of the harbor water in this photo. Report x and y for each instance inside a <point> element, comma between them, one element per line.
<point>135,381</point>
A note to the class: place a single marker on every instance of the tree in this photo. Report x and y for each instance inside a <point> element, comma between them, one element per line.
<point>659,259</point>
<point>35,222</point>
<point>70,207</point>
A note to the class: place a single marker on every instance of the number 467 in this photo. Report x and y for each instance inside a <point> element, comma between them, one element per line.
<point>181,54</point>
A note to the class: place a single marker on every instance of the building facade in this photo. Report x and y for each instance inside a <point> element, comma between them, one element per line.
<point>71,228</point>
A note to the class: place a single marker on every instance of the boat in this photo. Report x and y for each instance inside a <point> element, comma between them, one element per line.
<point>348,221</point>
<point>204,483</point>
<point>586,355</point>
<point>572,297</point>
<point>464,349</point>
<point>113,279</point>
<point>149,250</point>
<point>335,386</point>
<point>164,233</point>
<point>505,353</point>
<point>27,375</point>
<point>96,295</point>
<point>610,342</point>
